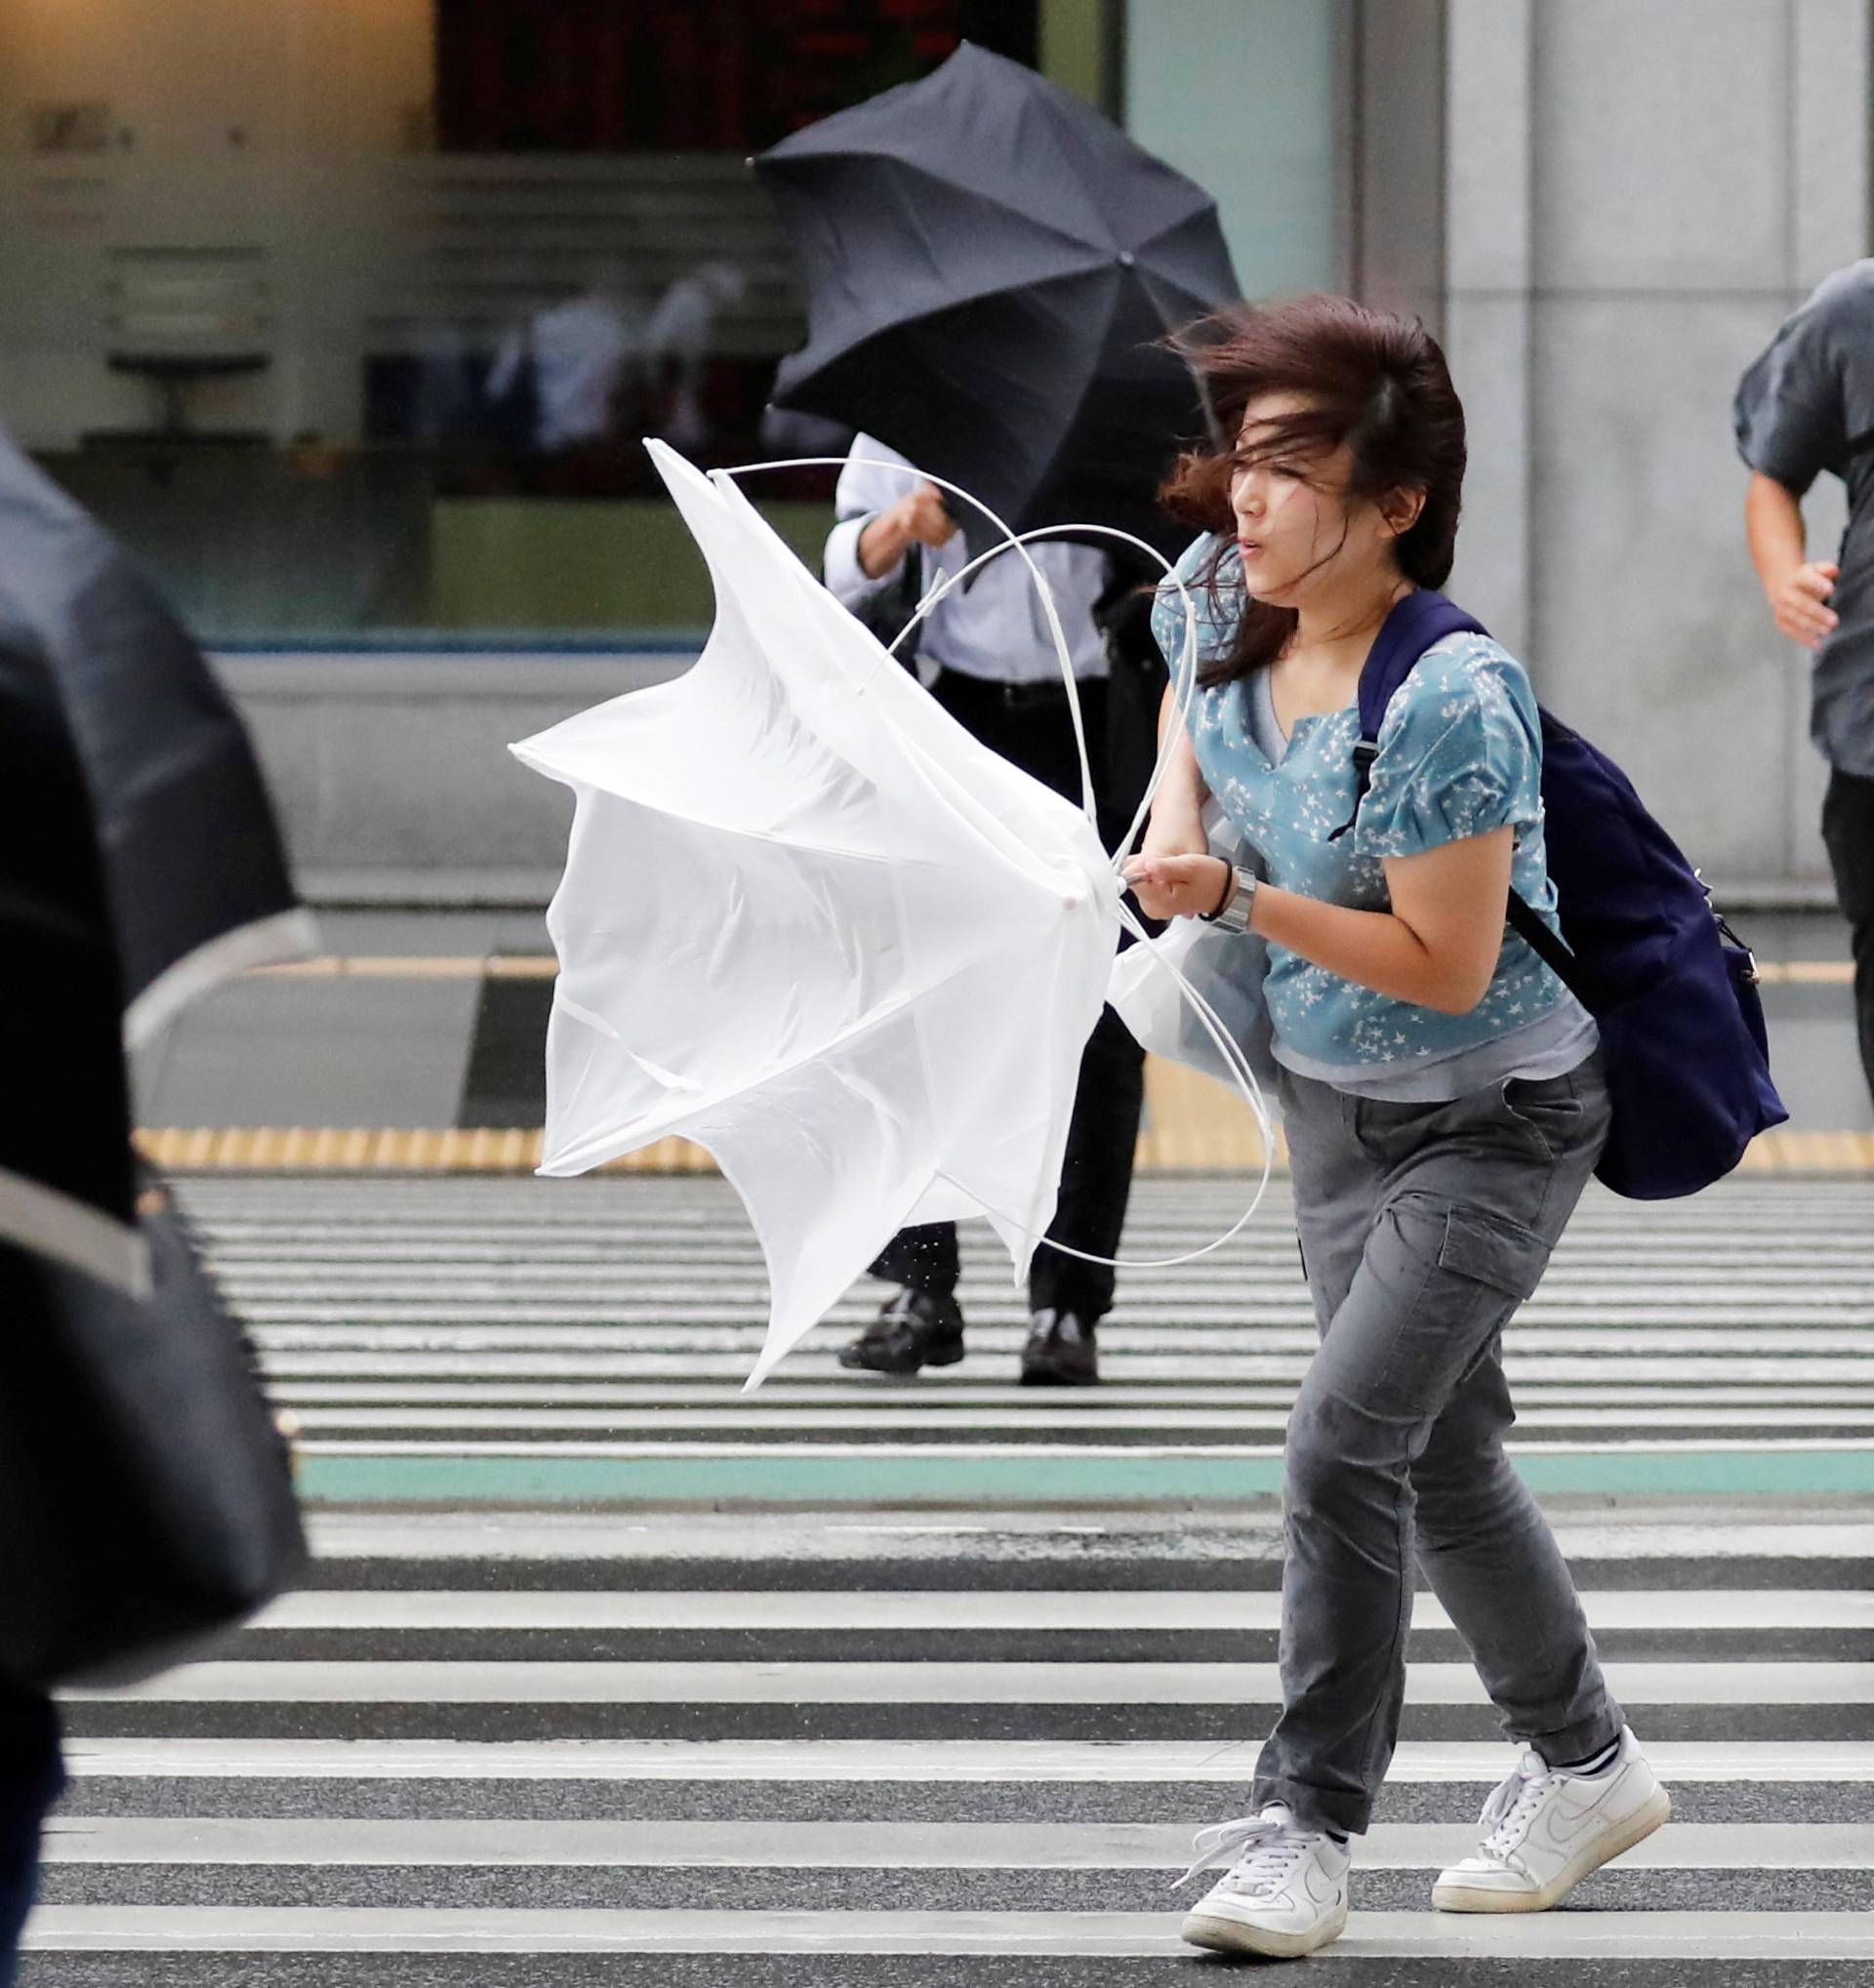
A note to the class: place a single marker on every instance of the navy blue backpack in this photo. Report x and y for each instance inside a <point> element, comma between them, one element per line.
<point>1672,986</point>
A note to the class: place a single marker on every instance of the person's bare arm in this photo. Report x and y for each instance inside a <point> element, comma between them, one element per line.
<point>1436,947</point>
<point>1796,587</point>
<point>1176,826</point>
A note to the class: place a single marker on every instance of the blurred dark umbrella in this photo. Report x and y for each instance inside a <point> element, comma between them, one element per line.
<point>146,1497</point>
<point>140,864</point>
<point>65,1162</point>
<point>989,263</point>
<point>195,876</point>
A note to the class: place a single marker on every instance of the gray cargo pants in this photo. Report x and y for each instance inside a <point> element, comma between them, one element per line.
<point>1423,1227</point>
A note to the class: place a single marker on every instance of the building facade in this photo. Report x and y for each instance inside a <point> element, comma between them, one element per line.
<point>1606,207</point>
<point>279,280</point>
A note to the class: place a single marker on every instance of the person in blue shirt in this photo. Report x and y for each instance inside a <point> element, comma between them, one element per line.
<point>1442,1096</point>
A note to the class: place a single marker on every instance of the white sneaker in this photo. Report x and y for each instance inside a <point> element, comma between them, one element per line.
<point>1544,1832</point>
<point>1285,1896</point>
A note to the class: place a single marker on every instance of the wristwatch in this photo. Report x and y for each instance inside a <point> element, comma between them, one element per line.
<point>1233,914</point>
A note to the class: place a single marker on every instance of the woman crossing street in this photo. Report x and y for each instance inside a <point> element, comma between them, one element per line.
<point>1444,1099</point>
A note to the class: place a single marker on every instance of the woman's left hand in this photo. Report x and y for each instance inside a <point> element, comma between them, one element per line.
<point>1178,886</point>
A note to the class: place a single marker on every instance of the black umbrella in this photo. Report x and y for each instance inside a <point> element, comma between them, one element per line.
<point>989,264</point>
<point>66,1178</point>
<point>146,1499</point>
<point>140,864</point>
<point>195,878</point>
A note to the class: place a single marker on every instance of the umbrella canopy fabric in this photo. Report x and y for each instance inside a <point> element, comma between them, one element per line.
<point>990,262</point>
<point>195,876</point>
<point>65,1166</point>
<point>809,923</point>
<point>140,864</point>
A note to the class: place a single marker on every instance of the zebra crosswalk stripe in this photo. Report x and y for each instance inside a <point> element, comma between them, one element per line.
<point>1047,1609</point>
<point>857,1681</point>
<point>574,1341</point>
<point>682,1741</point>
<point>686,1845</point>
<point>1379,1938</point>
<point>938,1762</point>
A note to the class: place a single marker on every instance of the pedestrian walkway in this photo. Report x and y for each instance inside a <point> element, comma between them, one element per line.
<point>526,1341</point>
<point>946,1700</point>
<point>856,1750</point>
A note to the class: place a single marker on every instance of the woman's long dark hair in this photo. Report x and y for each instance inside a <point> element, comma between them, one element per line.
<point>1376,382</point>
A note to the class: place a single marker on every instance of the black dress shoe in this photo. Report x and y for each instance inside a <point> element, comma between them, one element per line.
<point>1060,1352</point>
<point>914,1329</point>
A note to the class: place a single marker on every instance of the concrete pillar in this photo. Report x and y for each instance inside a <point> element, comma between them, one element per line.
<point>1488,300</point>
<point>1638,191</point>
<point>1397,90</point>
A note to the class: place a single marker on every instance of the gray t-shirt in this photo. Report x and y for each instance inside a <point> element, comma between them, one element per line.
<point>1566,1036</point>
<point>1804,406</point>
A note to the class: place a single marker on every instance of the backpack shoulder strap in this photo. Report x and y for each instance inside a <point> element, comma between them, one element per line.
<point>1419,621</point>
<point>1547,948</point>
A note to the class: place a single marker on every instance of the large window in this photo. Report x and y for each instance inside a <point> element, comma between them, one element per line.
<point>686,75</point>
<point>349,314</point>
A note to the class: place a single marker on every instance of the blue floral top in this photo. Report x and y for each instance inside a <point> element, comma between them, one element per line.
<point>1460,753</point>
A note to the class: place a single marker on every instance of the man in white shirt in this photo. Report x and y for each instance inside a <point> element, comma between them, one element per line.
<point>989,660</point>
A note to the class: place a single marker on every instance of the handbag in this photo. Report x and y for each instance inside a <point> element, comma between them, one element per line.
<point>146,1500</point>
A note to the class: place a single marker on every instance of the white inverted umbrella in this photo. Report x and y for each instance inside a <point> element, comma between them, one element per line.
<point>812,924</point>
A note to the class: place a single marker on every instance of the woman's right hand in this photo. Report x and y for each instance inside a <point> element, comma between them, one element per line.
<point>1186,886</point>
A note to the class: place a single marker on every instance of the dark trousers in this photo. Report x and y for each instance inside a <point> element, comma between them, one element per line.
<point>31,1779</point>
<point>1848,827</point>
<point>1035,734</point>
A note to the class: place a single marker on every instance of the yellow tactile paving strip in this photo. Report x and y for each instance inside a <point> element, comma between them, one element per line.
<point>276,1149</point>
<point>1806,972</point>
<point>1191,1126</point>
